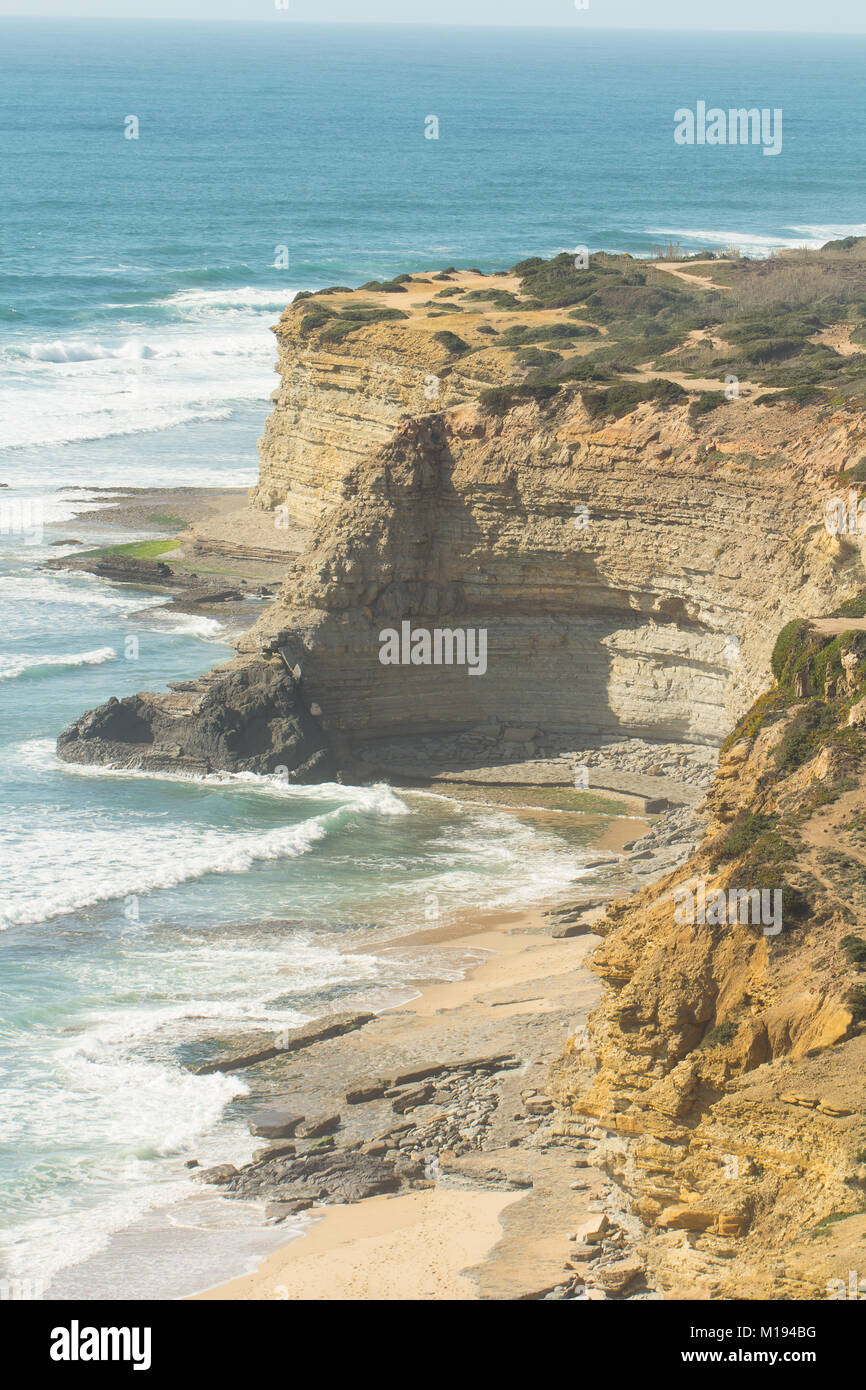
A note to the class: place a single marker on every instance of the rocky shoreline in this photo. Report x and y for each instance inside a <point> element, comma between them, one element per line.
<point>451,1094</point>
<point>456,1101</point>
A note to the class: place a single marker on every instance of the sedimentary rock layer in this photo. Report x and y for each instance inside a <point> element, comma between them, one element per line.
<point>629,575</point>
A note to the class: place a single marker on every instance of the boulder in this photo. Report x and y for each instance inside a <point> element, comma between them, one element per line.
<point>275,1123</point>
<point>615,1277</point>
<point>590,1232</point>
<point>318,1126</point>
<point>685,1218</point>
<point>274,1151</point>
<point>275,1212</point>
<point>366,1090</point>
<point>222,1173</point>
<point>410,1097</point>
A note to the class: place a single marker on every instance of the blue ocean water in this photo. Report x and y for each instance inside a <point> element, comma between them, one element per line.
<point>138,278</point>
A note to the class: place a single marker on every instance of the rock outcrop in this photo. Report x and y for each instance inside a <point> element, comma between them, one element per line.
<point>629,575</point>
<point>247,716</point>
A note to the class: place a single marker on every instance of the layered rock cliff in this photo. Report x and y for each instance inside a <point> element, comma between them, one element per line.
<point>629,572</point>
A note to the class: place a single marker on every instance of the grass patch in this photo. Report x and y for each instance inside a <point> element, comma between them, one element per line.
<point>825,1226</point>
<point>745,831</point>
<point>138,550</point>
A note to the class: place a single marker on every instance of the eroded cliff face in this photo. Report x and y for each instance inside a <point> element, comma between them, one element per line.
<point>629,574</point>
<point>724,1067</point>
<point>625,583</point>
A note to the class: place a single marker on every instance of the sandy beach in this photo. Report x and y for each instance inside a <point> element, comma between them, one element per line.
<point>496,1221</point>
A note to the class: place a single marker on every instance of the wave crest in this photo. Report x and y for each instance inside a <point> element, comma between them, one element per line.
<point>13,666</point>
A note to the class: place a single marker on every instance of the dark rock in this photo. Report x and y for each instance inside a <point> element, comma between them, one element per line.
<point>346,1177</point>
<point>409,1169</point>
<point>571,929</point>
<point>274,1151</point>
<point>243,717</point>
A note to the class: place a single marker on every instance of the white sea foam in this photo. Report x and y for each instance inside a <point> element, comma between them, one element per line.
<point>14,666</point>
<point>60,351</point>
<point>245,297</point>
<point>184,624</point>
<point>102,861</point>
<point>78,589</point>
<point>63,392</point>
<point>750,243</point>
<point>831,231</point>
<point>379,799</point>
<point>119,860</point>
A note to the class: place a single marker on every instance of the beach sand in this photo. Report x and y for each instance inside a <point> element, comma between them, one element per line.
<point>418,1245</point>
<point>410,1246</point>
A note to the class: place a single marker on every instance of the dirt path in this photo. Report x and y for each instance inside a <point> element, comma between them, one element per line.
<point>672,269</point>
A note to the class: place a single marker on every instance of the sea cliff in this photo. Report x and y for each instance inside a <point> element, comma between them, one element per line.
<point>624,481</point>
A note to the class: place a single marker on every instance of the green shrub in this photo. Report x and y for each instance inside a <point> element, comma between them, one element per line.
<point>317,317</point>
<point>856,1002</point>
<point>795,395</point>
<point>705,402</point>
<point>501,299</point>
<point>853,607</point>
<point>623,397</point>
<point>803,737</point>
<point>498,400</point>
<point>855,949</point>
<point>451,342</point>
<point>721,1035</point>
<point>387,286</point>
<point>535,357</point>
<point>745,830</point>
<point>371,313</point>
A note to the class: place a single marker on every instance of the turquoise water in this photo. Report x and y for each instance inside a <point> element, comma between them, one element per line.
<point>137,282</point>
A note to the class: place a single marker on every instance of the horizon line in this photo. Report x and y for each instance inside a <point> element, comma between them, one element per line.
<point>421,24</point>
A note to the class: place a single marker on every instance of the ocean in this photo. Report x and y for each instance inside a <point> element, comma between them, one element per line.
<point>138,279</point>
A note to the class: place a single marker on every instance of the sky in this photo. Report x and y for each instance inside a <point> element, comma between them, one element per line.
<point>782,16</point>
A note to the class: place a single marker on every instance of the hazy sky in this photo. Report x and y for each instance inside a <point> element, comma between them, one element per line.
<point>830,16</point>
